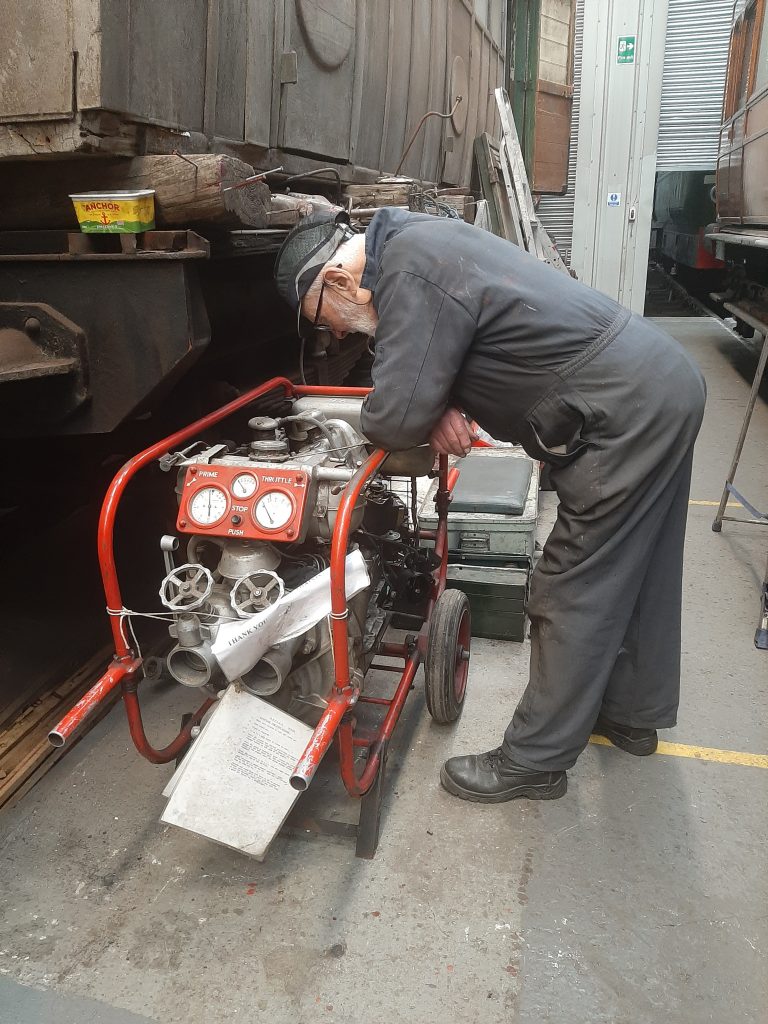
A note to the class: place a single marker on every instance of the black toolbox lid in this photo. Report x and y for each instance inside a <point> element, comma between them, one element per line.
<point>497,485</point>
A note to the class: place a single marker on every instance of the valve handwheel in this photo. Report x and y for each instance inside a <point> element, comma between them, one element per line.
<point>447,663</point>
<point>187,587</point>
<point>256,592</point>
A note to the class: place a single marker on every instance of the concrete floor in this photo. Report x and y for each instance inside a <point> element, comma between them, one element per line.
<point>641,895</point>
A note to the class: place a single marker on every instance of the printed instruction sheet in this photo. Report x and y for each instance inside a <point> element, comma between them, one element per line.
<point>233,786</point>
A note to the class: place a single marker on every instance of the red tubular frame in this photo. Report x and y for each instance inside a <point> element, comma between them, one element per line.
<point>335,722</point>
<point>123,669</point>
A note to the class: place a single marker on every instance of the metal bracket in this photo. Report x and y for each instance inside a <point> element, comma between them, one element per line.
<point>43,359</point>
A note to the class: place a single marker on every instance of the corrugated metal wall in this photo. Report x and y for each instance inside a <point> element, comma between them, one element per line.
<point>695,62</point>
<point>556,212</point>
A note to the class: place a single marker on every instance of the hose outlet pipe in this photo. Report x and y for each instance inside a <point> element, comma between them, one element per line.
<point>192,666</point>
<point>269,674</point>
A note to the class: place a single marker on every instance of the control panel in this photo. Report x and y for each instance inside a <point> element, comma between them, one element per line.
<point>237,501</point>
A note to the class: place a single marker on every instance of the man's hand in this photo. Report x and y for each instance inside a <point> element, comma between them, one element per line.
<point>451,435</point>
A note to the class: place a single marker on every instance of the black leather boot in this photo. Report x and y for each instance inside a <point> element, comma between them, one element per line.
<point>493,777</point>
<point>640,742</point>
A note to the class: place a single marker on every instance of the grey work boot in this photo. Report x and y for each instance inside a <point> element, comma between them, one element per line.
<point>640,742</point>
<point>493,777</point>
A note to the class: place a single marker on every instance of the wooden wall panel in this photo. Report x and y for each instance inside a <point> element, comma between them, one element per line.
<point>553,134</point>
<point>459,34</point>
<point>316,111</point>
<point>36,59</point>
<point>112,91</point>
<point>233,39</point>
<point>261,81</point>
<point>397,85</point>
<point>374,83</point>
<point>554,92</point>
<point>418,95</point>
<point>434,129</point>
<point>166,83</point>
<point>479,108</point>
<point>89,31</point>
<point>755,182</point>
<point>477,44</point>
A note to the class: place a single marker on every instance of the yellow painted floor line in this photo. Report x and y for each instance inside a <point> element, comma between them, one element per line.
<point>701,753</point>
<point>714,504</point>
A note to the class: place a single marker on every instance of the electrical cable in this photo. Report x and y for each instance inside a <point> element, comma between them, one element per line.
<point>301,360</point>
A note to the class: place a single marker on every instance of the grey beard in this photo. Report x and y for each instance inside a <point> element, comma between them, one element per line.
<point>363,323</point>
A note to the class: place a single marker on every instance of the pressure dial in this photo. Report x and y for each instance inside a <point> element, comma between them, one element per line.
<point>273,511</point>
<point>244,485</point>
<point>208,506</point>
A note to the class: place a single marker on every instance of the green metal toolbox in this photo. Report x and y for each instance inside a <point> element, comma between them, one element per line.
<point>492,537</point>
<point>497,598</point>
<point>487,521</point>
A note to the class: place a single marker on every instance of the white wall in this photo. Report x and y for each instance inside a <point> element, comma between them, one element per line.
<point>618,130</point>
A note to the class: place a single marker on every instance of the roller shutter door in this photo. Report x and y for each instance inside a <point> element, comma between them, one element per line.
<point>695,62</point>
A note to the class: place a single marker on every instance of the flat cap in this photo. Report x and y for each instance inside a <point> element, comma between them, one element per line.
<point>305,252</point>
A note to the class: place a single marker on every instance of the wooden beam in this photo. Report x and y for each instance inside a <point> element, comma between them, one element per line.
<point>189,190</point>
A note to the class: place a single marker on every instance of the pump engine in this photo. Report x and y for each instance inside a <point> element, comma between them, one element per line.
<point>257,520</point>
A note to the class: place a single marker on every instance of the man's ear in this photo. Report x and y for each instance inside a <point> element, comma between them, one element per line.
<point>341,280</point>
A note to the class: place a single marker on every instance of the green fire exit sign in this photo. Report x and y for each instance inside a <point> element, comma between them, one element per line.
<point>625,53</point>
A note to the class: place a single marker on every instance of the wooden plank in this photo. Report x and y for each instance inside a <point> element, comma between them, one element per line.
<point>398,86</point>
<point>492,188</point>
<point>373,82</point>
<point>553,134</point>
<point>473,123</point>
<point>434,128</point>
<point>24,745</point>
<point>31,717</point>
<point>460,24</point>
<point>385,194</point>
<point>98,132</point>
<point>166,83</point>
<point>232,71</point>
<point>418,90</point>
<point>54,754</point>
<point>259,78</point>
<point>211,82</point>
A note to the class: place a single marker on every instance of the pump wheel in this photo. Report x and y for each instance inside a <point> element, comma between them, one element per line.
<point>447,666</point>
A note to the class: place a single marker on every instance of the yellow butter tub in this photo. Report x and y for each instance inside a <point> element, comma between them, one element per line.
<point>117,211</point>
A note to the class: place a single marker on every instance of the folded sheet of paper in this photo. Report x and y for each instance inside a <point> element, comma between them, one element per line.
<point>240,645</point>
<point>233,786</point>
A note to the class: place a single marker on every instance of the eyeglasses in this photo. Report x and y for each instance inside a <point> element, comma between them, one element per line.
<point>316,325</point>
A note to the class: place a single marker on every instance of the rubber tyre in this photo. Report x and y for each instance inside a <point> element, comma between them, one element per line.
<point>450,629</point>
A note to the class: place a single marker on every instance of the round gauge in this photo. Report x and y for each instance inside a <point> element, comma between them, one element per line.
<point>273,510</point>
<point>208,505</point>
<point>244,485</point>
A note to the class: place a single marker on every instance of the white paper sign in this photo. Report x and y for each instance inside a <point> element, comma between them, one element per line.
<point>240,645</point>
<point>233,786</point>
<point>614,198</point>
